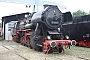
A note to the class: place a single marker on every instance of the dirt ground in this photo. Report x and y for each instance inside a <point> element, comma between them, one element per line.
<point>10,50</point>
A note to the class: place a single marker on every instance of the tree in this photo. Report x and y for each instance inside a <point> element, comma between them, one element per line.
<point>79,13</point>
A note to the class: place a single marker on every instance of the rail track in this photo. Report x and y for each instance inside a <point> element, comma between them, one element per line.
<point>15,52</point>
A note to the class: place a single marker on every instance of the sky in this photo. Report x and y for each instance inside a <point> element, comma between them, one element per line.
<point>9,7</point>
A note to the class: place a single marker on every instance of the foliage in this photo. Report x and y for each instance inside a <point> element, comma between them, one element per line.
<point>79,13</point>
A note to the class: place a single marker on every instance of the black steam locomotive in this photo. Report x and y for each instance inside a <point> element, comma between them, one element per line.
<point>45,29</point>
<point>46,23</point>
<point>78,29</point>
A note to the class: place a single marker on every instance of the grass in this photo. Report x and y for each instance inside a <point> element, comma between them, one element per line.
<point>79,51</point>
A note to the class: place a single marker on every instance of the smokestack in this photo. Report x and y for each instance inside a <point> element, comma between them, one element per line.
<point>46,5</point>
